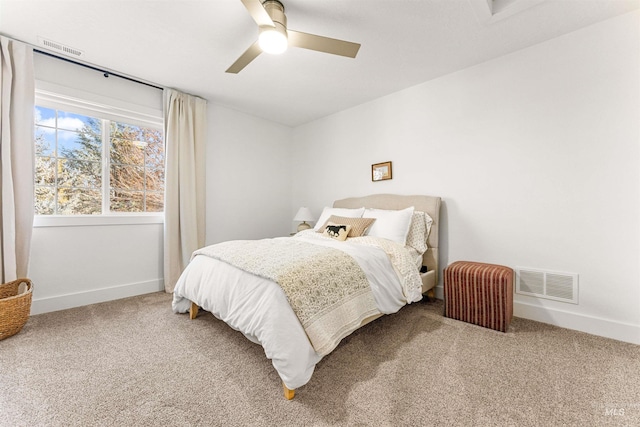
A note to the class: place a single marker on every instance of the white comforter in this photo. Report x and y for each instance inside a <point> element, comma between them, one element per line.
<point>259,309</point>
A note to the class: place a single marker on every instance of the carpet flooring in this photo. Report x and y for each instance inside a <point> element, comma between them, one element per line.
<point>132,362</point>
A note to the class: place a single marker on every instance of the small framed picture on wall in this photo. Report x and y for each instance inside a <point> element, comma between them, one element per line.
<point>381,171</point>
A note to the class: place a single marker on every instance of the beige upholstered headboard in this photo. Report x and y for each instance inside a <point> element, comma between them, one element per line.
<point>428,204</point>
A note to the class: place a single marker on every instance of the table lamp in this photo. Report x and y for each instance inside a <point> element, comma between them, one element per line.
<point>304,215</point>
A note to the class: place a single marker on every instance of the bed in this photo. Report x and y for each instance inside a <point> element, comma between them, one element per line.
<point>297,317</point>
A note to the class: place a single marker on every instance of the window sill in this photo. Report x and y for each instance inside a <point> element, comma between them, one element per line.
<point>96,220</point>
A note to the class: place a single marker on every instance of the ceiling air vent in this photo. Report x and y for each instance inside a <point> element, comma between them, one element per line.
<point>492,11</point>
<point>547,284</point>
<point>59,47</point>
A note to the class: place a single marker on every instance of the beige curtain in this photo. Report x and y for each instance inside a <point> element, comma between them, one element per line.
<point>185,122</point>
<point>17,93</point>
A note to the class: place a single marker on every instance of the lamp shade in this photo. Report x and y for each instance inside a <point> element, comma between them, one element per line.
<point>304,214</point>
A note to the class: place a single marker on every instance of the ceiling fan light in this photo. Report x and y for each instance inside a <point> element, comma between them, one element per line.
<point>273,40</point>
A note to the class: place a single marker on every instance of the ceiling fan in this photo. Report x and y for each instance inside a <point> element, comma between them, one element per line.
<point>274,36</point>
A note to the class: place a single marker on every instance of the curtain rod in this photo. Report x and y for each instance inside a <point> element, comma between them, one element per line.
<point>106,73</point>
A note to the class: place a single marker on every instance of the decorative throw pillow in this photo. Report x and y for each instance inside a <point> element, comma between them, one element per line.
<point>327,212</point>
<point>336,231</point>
<point>358,225</point>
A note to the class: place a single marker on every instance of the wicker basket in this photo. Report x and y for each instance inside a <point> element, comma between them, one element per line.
<point>14,307</point>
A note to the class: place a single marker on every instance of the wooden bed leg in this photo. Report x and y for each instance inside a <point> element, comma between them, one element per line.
<point>193,311</point>
<point>288,394</point>
<point>431,294</point>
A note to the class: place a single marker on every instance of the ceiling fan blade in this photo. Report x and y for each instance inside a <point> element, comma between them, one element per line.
<point>323,44</point>
<point>258,12</point>
<point>248,56</point>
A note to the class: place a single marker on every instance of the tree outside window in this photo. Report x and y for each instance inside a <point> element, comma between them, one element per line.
<point>72,160</point>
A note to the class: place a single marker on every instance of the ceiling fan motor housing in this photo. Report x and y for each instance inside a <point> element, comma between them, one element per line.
<point>272,39</point>
<point>275,9</point>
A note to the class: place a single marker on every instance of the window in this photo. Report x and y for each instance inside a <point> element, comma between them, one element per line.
<point>90,161</point>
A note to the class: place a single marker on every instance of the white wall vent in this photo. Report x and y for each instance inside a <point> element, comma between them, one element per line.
<point>59,47</point>
<point>547,284</point>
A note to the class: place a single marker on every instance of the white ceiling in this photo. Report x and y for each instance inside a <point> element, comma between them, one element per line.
<point>188,44</point>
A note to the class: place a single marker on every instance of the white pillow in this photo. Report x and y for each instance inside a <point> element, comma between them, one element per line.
<point>390,224</point>
<point>327,212</point>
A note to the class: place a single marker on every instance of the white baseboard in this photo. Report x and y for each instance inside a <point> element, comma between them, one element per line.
<point>579,322</point>
<point>93,296</point>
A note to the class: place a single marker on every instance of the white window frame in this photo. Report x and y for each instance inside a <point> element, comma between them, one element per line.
<point>58,97</point>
